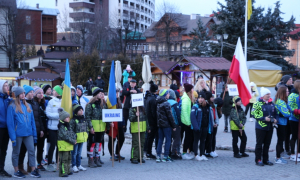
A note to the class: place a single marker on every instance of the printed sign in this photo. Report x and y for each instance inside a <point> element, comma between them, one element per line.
<point>112,115</point>
<point>137,100</point>
<point>233,90</point>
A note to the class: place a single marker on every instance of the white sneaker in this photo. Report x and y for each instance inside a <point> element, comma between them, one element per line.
<point>213,154</point>
<point>192,154</point>
<point>293,158</point>
<point>204,158</point>
<point>251,120</point>
<point>187,156</point>
<point>198,158</point>
<point>80,168</point>
<point>51,168</point>
<point>75,169</point>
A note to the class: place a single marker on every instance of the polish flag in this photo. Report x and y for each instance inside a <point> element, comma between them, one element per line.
<point>239,73</point>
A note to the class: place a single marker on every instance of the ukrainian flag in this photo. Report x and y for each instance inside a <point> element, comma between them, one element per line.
<point>66,101</point>
<point>112,97</point>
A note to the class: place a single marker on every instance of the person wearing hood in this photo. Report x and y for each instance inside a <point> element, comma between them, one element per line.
<point>73,95</point>
<point>265,114</point>
<point>4,136</point>
<point>226,108</point>
<point>53,116</point>
<point>202,124</point>
<point>165,124</point>
<point>254,94</point>
<point>175,153</point>
<point>151,108</point>
<point>294,107</point>
<point>22,129</point>
<point>82,100</point>
<point>186,107</point>
<point>127,72</point>
<point>237,124</point>
<point>287,81</point>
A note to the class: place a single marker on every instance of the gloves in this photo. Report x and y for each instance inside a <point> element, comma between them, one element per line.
<point>297,111</point>
<point>14,143</point>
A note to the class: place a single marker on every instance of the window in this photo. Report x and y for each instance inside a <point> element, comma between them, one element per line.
<point>28,36</point>
<point>28,19</point>
<point>24,66</point>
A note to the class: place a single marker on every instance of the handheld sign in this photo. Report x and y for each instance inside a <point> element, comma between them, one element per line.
<point>233,90</point>
<point>112,115</point>
<point>137,100</point>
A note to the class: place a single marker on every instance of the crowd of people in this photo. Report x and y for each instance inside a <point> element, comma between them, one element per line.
<point>170,116</point>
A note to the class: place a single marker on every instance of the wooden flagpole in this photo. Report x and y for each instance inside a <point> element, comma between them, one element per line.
<point>112,145</point>
<point>139,136</point>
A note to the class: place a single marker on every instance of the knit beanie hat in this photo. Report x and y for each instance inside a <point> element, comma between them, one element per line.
<point>236,99</point>
<point>2,82</point>
<point>27,89</point>
<point>172,94</point>
<point>17,90</point>
<point>80,87</point>
<point>76,108</point>
<point>37,90</point>
<point>202,94</point>
<point>63,114</point>
<point>208,95</point>
<point>264,91</point>
<point>163,92</point>
<point>73,88</point>
<point>219,102</point>
<point>285,78</point>
<point>96,90</point>
<point>153,87</point>
<point>188,87</point>
<point>45,87</point>
<point>58,89</point>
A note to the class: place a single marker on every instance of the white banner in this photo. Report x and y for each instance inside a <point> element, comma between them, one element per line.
<point>112,115</point>
<point>233,90</point>
<point>137,100</point>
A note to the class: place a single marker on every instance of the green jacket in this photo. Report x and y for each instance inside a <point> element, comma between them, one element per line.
<point>134,127</point>
<point>93,113</point>
<point>236,120</point>
<point>80,127</point>
<point>66,138</point>
<point>186,108</point>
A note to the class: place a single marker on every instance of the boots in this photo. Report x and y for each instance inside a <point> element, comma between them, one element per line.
<point>21,168</point>
<point>97,161</point>
<point>91,163</point>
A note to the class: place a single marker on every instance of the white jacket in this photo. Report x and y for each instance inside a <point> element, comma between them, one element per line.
<point>52,113</point>
<point>83,102</point>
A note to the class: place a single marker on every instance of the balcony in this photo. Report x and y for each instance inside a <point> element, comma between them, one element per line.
<point>81,15</point>
<point>81,4</point>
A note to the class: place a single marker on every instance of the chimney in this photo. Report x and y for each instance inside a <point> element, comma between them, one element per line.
<point>37,5</point>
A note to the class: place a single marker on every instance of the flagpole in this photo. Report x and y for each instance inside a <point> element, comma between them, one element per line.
<point>246,28</point>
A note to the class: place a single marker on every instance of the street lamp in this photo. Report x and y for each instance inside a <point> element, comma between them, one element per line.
<point>222,37</point>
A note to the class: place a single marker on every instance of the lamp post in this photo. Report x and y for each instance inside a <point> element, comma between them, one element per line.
<point>222,37</point>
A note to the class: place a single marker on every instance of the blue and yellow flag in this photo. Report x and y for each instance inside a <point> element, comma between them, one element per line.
<point>66,101</point>
<point>112,96</point>
<point>249,10</point>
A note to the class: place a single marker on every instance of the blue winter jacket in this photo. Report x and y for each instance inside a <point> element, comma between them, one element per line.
<point>4,102</point>
<point>18,124</point>
<point>293,103</point>
<point>74,100</point>
<point>175,111</point>
<point>196,118</point>
<point>283,112</point>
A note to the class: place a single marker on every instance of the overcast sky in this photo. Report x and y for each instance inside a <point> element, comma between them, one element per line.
<point>289,7</point>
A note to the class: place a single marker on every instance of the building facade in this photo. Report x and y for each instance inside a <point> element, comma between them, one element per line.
<point>294,44</point>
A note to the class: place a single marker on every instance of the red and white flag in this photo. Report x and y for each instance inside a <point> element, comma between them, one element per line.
<point>239,73</point>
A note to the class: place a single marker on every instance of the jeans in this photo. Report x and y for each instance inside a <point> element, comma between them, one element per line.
<point>4,139</point>
<point>76,154</point>
<point>226,117</point>
<point>280,138</point>
<point>235,139</point>
<point>29,144</point>
<point>263,141</point>
<point>164,133</point>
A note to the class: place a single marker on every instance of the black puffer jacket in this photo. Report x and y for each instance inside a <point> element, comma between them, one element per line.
<point>126,92</point>
<point>37,115</point>
<point>164,113</point>
<point>151,106</point>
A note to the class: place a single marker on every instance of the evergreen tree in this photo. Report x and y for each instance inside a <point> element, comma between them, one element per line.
<point>28,51</point>
<point>33,50</point>
<point>200,42</point>
<point>267,35</point>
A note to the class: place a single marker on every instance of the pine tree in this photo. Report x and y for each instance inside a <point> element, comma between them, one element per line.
<point>33,50</point>
<point>267,35</point>
<point>200,42</point>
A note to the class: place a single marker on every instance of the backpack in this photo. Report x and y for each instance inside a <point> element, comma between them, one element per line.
<point>174,113</point>
<point>180,104</point>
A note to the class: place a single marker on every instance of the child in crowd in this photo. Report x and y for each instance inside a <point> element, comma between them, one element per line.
<point>66,138</point>
<point>237,125</point>
<point>134,113</point>
<point>80,127</point>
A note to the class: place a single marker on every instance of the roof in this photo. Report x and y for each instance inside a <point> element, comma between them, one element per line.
<point>39,76</point>
<point>184,21</point>
<point>262,65</point>
<point>65,43</point>
<point>209,63</point>
<point>45,11</point>
<point>58,67</point>
<point>58,55</point>
<point>164,66</point>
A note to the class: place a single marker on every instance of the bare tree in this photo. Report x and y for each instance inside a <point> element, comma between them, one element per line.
<point>63,22</point>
